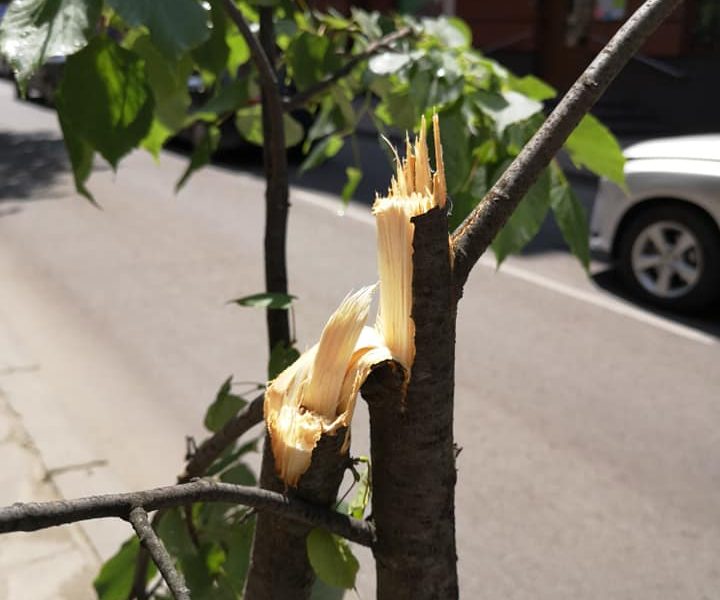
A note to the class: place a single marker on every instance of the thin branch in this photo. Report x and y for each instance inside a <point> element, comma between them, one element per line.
<point>476,233</point>
<point>197,466</point>
<point>149,539</point>
<point>265,69</point>
<point>142,563</point>
<point>299,99</point>
<point>41,515</point>
<point>216,444</point>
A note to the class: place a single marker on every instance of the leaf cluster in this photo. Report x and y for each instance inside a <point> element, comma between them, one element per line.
<point>129,63</point>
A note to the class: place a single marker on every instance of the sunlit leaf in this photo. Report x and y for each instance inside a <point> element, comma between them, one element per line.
<point>239,475</point>
<point>104,97</point>
<point>354,176</point>
<point>225,406</point>
<point>175,26</point>
<point>570,217</point>
<point>533,87</point>
<point>324,149</point>
<point>32,31</point>
<point>81,155</point>
<point>362,496</point>
<point>331,559</point>
<point>388,62</point>
<point>115,579</point>
<point>456,149</point>
<point>525,222</point>
<point>168,81</point>
<point>592,145</point>
<point>507,108</point>
<point>202,154</point>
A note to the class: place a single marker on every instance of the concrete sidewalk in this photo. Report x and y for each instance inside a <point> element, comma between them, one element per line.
<point>52,564</point>
<point>42,458</point>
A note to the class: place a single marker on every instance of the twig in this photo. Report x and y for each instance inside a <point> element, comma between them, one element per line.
<point>216,444</point>
<point>476,233</point>
<point>299,99</point>
<point>138,591</point>
<point>265,69</point>
<point>32,516</point>
<point>149,539</point>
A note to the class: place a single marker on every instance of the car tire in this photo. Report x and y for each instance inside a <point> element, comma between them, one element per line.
<point>669,256</point>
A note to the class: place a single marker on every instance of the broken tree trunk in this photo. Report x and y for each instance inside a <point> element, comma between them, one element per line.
<point>412,449</point>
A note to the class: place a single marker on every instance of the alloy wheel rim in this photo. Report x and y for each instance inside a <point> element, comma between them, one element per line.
<point>667,259</point>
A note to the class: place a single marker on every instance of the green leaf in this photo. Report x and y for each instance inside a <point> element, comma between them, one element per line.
<point>506,108</point>
<point>201,155</point>
<point>386,63</point>
<point>323,150</point>
<point>175,26</point>
<point>533,87</point>
<point>32,31</point>
<point>239,50</point>
<point>332,559</point>
<point>456,148</point>
<point>310,58</point>
<point>229,98</point>
<point>362,496</point>
<point>156,138</point>
<point>225,406</point>
<point>463,28</point>
<point>266,300</point>
<point>354,176</point>
<point>281,357</point>
<point>570,216</point>
<point>105,99</point>
<point>294,131</point>
<point>592,145</point>
<point>212,55</point>
<point>450,33</point>
<point>239,475</point>
<point>239,543</point>
<point>249,123</point>
<point>228,457</point>
<point>115,579</point>
<point>81,158</point>
<point>168,81</point>
<point>465,200</point>
<point>525,222</point>
<point>398,109</point>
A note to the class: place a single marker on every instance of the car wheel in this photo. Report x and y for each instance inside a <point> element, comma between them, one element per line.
<point>670,256</point>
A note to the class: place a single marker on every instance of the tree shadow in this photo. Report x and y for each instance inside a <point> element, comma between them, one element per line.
<point>706,321</point>
<point>30,163</point>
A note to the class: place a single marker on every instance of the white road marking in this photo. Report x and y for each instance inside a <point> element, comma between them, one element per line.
<point>596,298</point>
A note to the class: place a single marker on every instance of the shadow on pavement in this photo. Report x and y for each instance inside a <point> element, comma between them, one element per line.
<point>707,321</point>
<point>29,164</point>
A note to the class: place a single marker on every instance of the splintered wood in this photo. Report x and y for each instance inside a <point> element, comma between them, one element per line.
<point>316,395</point>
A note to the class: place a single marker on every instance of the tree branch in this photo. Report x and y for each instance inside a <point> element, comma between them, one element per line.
<point>478,230</point>
<point>32,516</point>
<point>149,539</point>
<point>216,444</point>
<point>299,99</point>
<point>266,72</point>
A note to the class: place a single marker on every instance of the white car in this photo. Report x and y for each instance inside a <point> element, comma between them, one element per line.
<point>663,232</point>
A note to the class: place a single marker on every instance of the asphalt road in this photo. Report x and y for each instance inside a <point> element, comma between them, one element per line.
<point>589,467</point>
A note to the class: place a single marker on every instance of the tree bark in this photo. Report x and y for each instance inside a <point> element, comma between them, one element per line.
<point>412,449</point>
<point>277,190</point>
<point>279,567</point>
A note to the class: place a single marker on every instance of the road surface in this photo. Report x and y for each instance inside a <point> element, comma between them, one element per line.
<point>588,426</point>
